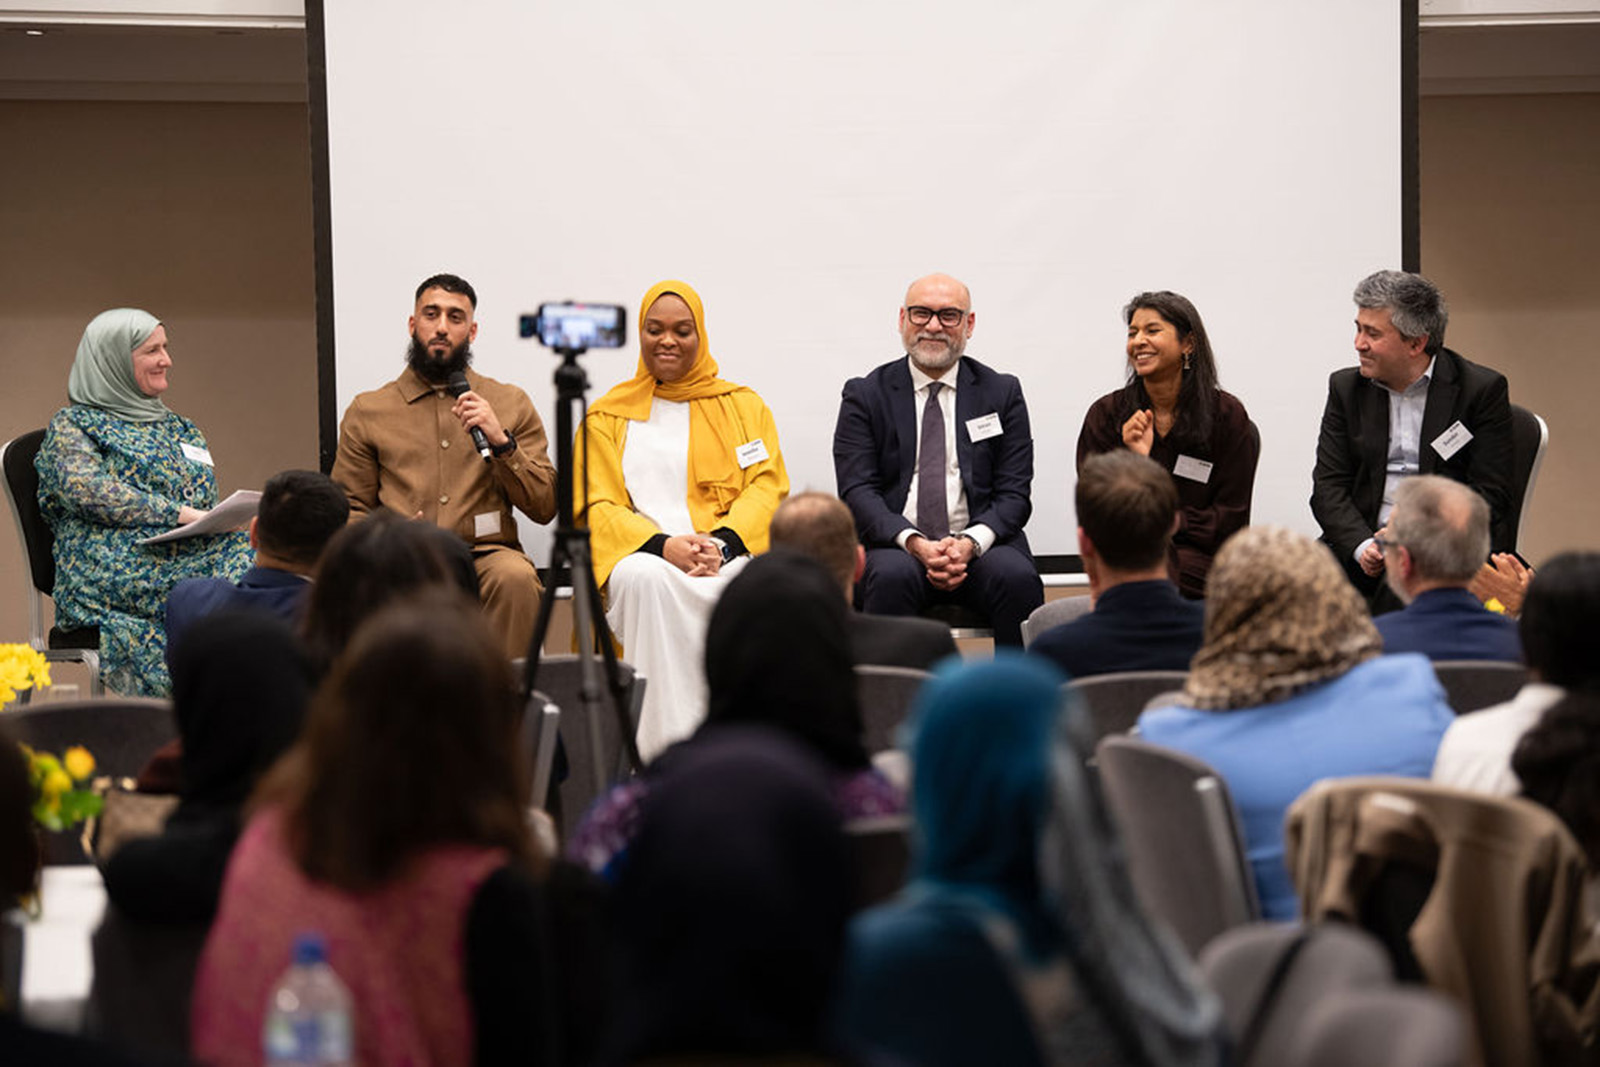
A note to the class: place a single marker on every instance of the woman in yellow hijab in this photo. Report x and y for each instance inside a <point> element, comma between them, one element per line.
<point>682,474</point>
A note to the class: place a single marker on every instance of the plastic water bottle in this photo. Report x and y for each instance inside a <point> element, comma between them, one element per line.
<point>308,1015</point>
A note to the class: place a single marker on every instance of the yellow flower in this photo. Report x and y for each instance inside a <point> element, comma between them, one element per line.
<point>78,762</point>
<point>21,667</point>
<point>55,783</point>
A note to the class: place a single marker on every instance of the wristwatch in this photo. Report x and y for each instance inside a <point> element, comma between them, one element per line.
<point>723,547</point>
<point>506,449</point>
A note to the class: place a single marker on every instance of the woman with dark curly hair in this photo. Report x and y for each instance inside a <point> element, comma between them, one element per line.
<point>1173,411</point>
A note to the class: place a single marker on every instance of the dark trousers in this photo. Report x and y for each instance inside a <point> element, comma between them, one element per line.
<point>1002,585</point>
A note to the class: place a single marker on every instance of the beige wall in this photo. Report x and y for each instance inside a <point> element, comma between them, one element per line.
<point>197,212</point>
<point>1511,233</point>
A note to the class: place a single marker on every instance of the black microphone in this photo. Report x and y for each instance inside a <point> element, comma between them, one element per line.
<point>458,385</point>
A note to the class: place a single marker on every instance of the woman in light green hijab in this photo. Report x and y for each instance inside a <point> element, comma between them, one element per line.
<point>118,466</point>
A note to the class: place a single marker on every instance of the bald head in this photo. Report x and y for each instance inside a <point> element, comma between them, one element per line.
<point>1443,525</point>
<point>934,344</point>
<point>820,526</point>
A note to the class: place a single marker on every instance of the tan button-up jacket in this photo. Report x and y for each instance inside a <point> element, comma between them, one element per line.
<point>401,448</point>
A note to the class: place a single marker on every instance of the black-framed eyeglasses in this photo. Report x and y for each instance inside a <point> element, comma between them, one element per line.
<point>1386,543</point>
<point>921,316</point>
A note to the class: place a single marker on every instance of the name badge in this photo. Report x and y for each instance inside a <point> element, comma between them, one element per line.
<point>486,525</point>
<point>1196,470</point>
<point>983,427</point>
<point>1452,440</point>
<point>750,453</point>
<point>196,454</point>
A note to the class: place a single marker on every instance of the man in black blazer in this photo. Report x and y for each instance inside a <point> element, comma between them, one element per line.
<point>1127,513</point>
<point>930,539</point>
<point>1411,406</point>
<point>820,526</point>
<point>299,513</point>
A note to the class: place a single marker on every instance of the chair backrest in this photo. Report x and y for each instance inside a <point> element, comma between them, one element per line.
<point>885,695</point>
<point>1472,684</point>
<point>1269,974</point>
<point>122,733</point>
<point>881,848</point>
<point>1400,1027</point>
<point>143,977</point>
<point>540,733</point>
<point>1180,830</point>
<point>561,680</point>
<point>1530,436</point>
<point>965,623</point>
<point>1054,613</point>
<point>22,490</point>
<point>1114,701</point>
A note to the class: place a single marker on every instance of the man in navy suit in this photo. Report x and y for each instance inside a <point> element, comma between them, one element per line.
<point>298,513</point>
<point>934,456</point>
<point>1127,513</point>
<point>820,526</point>
<point>1438,537</point>
<point>1411,406</point>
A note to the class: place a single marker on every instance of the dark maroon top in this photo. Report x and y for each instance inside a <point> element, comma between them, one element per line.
<point>1210,511</point>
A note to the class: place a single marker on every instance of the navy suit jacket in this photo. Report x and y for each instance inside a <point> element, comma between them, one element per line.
<point>1135,626</point>
<point>1353,450</point>
<point>1450,624</point>
<point>875,451</point>
<point>261,589</point>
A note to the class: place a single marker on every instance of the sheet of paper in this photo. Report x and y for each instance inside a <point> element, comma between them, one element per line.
<point>232,513</point>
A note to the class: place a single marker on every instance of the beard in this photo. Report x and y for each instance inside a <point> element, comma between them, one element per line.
<point>434,369</point>
<point>934,358</point>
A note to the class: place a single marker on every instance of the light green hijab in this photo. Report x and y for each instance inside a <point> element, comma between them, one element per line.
<point>102,373</point>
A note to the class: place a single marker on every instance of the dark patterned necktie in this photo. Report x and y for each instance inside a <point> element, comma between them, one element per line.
<point>933,513</point>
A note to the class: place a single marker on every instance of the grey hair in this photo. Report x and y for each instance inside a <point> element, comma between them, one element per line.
<point>1444,524</point>
<point>1415,305</point>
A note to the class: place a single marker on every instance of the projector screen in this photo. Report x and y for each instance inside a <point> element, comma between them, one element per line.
<point>801,164</point>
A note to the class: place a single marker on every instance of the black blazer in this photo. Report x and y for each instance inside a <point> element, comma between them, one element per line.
<point>1353,449</point>
<point>875,451</point>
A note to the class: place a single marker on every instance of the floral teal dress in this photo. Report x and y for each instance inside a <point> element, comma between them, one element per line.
<point>105,483</point>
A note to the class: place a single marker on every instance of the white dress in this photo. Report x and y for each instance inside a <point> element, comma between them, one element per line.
<point>658,612</point>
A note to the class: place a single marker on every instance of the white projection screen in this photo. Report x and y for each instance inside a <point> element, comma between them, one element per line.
<point>800,164</point>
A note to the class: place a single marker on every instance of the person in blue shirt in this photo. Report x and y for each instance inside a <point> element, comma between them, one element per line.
<point>1290,687</point>
<point>1437,538</point>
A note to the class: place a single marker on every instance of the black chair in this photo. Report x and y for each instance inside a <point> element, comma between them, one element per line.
<point>1472,684</point>
<point>885,695</point>
<point>122,733</point>
<point>965,623</point>
<point>560,681</point>
<point>22,490</point>
<point>1114,701</point>
<point>1054,613</point>
<point>1530,436</point>
<point>881,849</point>
<point>1181,834</point>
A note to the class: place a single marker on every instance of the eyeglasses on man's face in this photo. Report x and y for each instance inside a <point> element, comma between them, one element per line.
<point>921,316</point>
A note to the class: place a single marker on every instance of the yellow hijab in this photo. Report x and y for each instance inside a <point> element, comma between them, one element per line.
<point>631,399</point>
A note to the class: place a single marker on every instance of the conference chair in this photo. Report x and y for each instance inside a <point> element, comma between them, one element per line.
<point>122,733</point>
<point>885,695</point>
<point>1480,897</point>
<point>1400,1027</point>
<point>1181,834</point>
<point>1472,684</point>
<point>1114,701</point>
<point>540,730</point>
<point>1054,613</point>
<point>561,682</point>
<point>965,623</point>
<point>1530,436</point>
<point>1268,975</point>
<point>22,490</point>
<point>881,850</point>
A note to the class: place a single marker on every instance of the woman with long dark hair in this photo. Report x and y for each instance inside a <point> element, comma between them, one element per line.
<point>1173,411</point>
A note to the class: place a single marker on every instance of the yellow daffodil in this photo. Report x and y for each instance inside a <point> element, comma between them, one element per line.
<point>78,762</point>
<point>55,783</point>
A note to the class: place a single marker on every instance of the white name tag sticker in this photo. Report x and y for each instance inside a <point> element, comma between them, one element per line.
<point>983,427</point>
<point>196,454</point>
<point>1196,470</point>
<point>750,453</point>
<point>486,525</point>
<point>1452,440</point>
